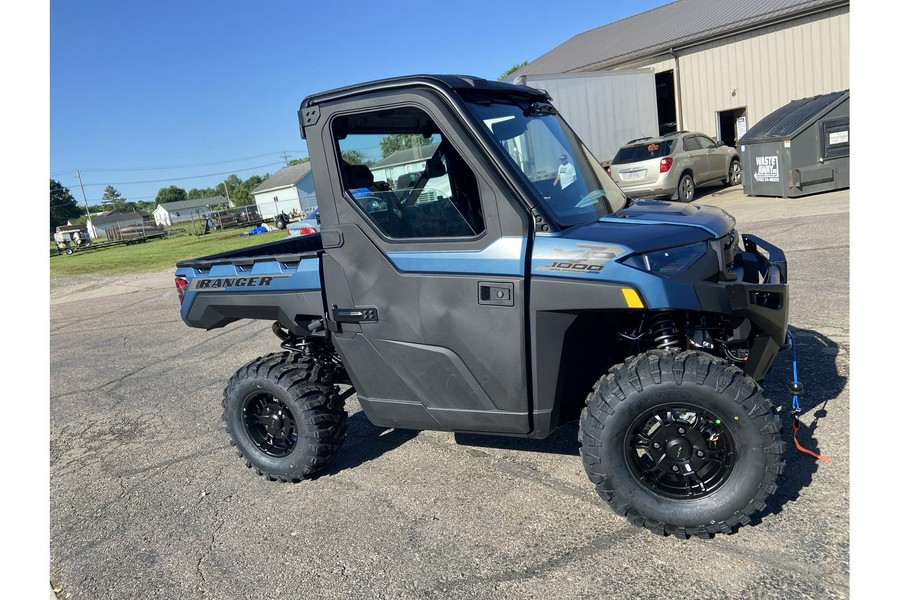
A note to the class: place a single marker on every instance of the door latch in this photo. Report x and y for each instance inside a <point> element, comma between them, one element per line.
<point>497,294</point>
<point>359,314</point>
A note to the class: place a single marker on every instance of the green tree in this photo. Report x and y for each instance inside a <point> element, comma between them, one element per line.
<point>145,205</point>
<point>512,70</point>
<point>242,195</point>
<point>63,206</point>
<point>355,157</point>
<point>227,188</point>
<point>112,199</point>
<point>195,193</point>
<point>298,161</point>
<point>170,194</point>
<point>401,141</point>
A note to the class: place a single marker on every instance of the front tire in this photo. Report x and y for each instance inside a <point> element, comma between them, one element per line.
<point>681,443</point>
<point>686,188</point>
<point>284,415</point>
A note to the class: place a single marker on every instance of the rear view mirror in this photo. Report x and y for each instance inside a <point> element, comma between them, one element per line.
<point>509,128</point>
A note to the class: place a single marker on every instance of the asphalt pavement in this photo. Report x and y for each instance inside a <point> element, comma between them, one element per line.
<point>148,499</point>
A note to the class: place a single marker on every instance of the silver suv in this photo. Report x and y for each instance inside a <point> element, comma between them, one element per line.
<point>672,165</point>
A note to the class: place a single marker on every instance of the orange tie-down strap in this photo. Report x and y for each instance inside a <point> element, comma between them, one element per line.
<point>801,448</point>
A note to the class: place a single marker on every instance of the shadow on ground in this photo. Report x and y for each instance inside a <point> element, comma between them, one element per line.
<point>365,442</point>
<point>817,369</point>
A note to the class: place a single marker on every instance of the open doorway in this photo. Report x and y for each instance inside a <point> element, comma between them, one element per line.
<point>732,125</point>
<point>665,102</point>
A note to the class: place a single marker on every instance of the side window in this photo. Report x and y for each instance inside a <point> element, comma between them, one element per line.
<point>705,142</point>
<point>401,171</point>
<point>690,144</point>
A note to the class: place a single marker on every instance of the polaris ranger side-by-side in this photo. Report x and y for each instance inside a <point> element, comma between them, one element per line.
<point>458,284</point>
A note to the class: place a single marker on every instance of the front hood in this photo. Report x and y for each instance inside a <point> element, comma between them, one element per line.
<point>714,220</point>
<point>645,226</point>
<point>584,251</point>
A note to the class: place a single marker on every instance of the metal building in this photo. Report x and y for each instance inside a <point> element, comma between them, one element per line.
<point>720,65</point>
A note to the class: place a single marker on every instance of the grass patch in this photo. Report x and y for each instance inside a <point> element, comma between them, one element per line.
<point>154,255</point>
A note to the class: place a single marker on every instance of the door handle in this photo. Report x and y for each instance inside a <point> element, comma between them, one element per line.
<point>368,314</point>
<point>496,294</point>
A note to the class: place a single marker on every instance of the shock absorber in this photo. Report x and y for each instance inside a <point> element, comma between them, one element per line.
<point>664,331</point>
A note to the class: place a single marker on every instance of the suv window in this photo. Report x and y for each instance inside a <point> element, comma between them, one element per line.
<point>406,177</point>
<point>650,150</point>
<point>705,142</point>
<point>691,143</point>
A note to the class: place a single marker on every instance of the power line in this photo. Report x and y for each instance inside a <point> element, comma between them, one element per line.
<point>169,179</point>
<point>282,153</point>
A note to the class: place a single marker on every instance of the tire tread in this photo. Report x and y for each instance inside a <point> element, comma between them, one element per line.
<point>639,373</point>
<point>321,410</point>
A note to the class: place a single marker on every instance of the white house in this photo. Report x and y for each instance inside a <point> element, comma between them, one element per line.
<point>403,162</point>
<point>183,211</point>
<point>402,169</point>
<point>288,190</point>
<point>99,224</point>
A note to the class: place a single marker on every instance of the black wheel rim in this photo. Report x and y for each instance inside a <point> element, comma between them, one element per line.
<point>269,424</point>
<point>680,451</point>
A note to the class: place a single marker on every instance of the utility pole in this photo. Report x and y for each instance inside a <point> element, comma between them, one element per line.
<point>227,197</point>
<point>83,195</point>
<point>284,152</point>
<point>86,207</point>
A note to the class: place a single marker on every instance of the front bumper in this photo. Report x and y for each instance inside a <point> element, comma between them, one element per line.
<point>761,297</point>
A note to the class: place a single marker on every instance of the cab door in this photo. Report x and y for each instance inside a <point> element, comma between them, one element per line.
<point>423,268</point>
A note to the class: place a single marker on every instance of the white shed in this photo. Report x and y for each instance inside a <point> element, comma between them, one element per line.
<point>184,211</point>
<point>289,190</point>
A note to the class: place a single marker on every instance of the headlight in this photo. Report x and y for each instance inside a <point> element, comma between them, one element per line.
<point>670,261</point>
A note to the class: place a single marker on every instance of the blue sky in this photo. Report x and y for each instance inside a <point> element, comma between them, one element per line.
<point>207,88</point>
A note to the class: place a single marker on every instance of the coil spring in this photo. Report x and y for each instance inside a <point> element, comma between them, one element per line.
<point>664,331</point>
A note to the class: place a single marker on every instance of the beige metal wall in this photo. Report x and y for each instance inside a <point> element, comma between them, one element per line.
<point>761,70</point>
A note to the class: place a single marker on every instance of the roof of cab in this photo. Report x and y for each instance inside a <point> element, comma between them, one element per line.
<point>444,83</point>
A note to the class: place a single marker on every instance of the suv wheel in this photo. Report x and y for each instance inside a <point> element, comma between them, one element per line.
<point>686,188</point>
<point>734,173</point>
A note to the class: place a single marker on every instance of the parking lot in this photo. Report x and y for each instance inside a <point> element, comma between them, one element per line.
<point>149,500</point>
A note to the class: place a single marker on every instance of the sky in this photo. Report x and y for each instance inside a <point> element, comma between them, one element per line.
<point>151,94</point>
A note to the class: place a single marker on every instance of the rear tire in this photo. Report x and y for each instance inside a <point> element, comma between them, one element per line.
<point>686,188</point>
<point>284,415</point>
<point>681,443</point>
<point>734,173</point>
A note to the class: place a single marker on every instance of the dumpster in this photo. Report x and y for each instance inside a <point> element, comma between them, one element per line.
<point>800,149</point>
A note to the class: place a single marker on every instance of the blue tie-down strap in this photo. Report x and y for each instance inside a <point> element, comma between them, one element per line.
<point>797,389</point>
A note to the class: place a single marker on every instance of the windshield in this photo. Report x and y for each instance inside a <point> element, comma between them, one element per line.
<point>567,180</point>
